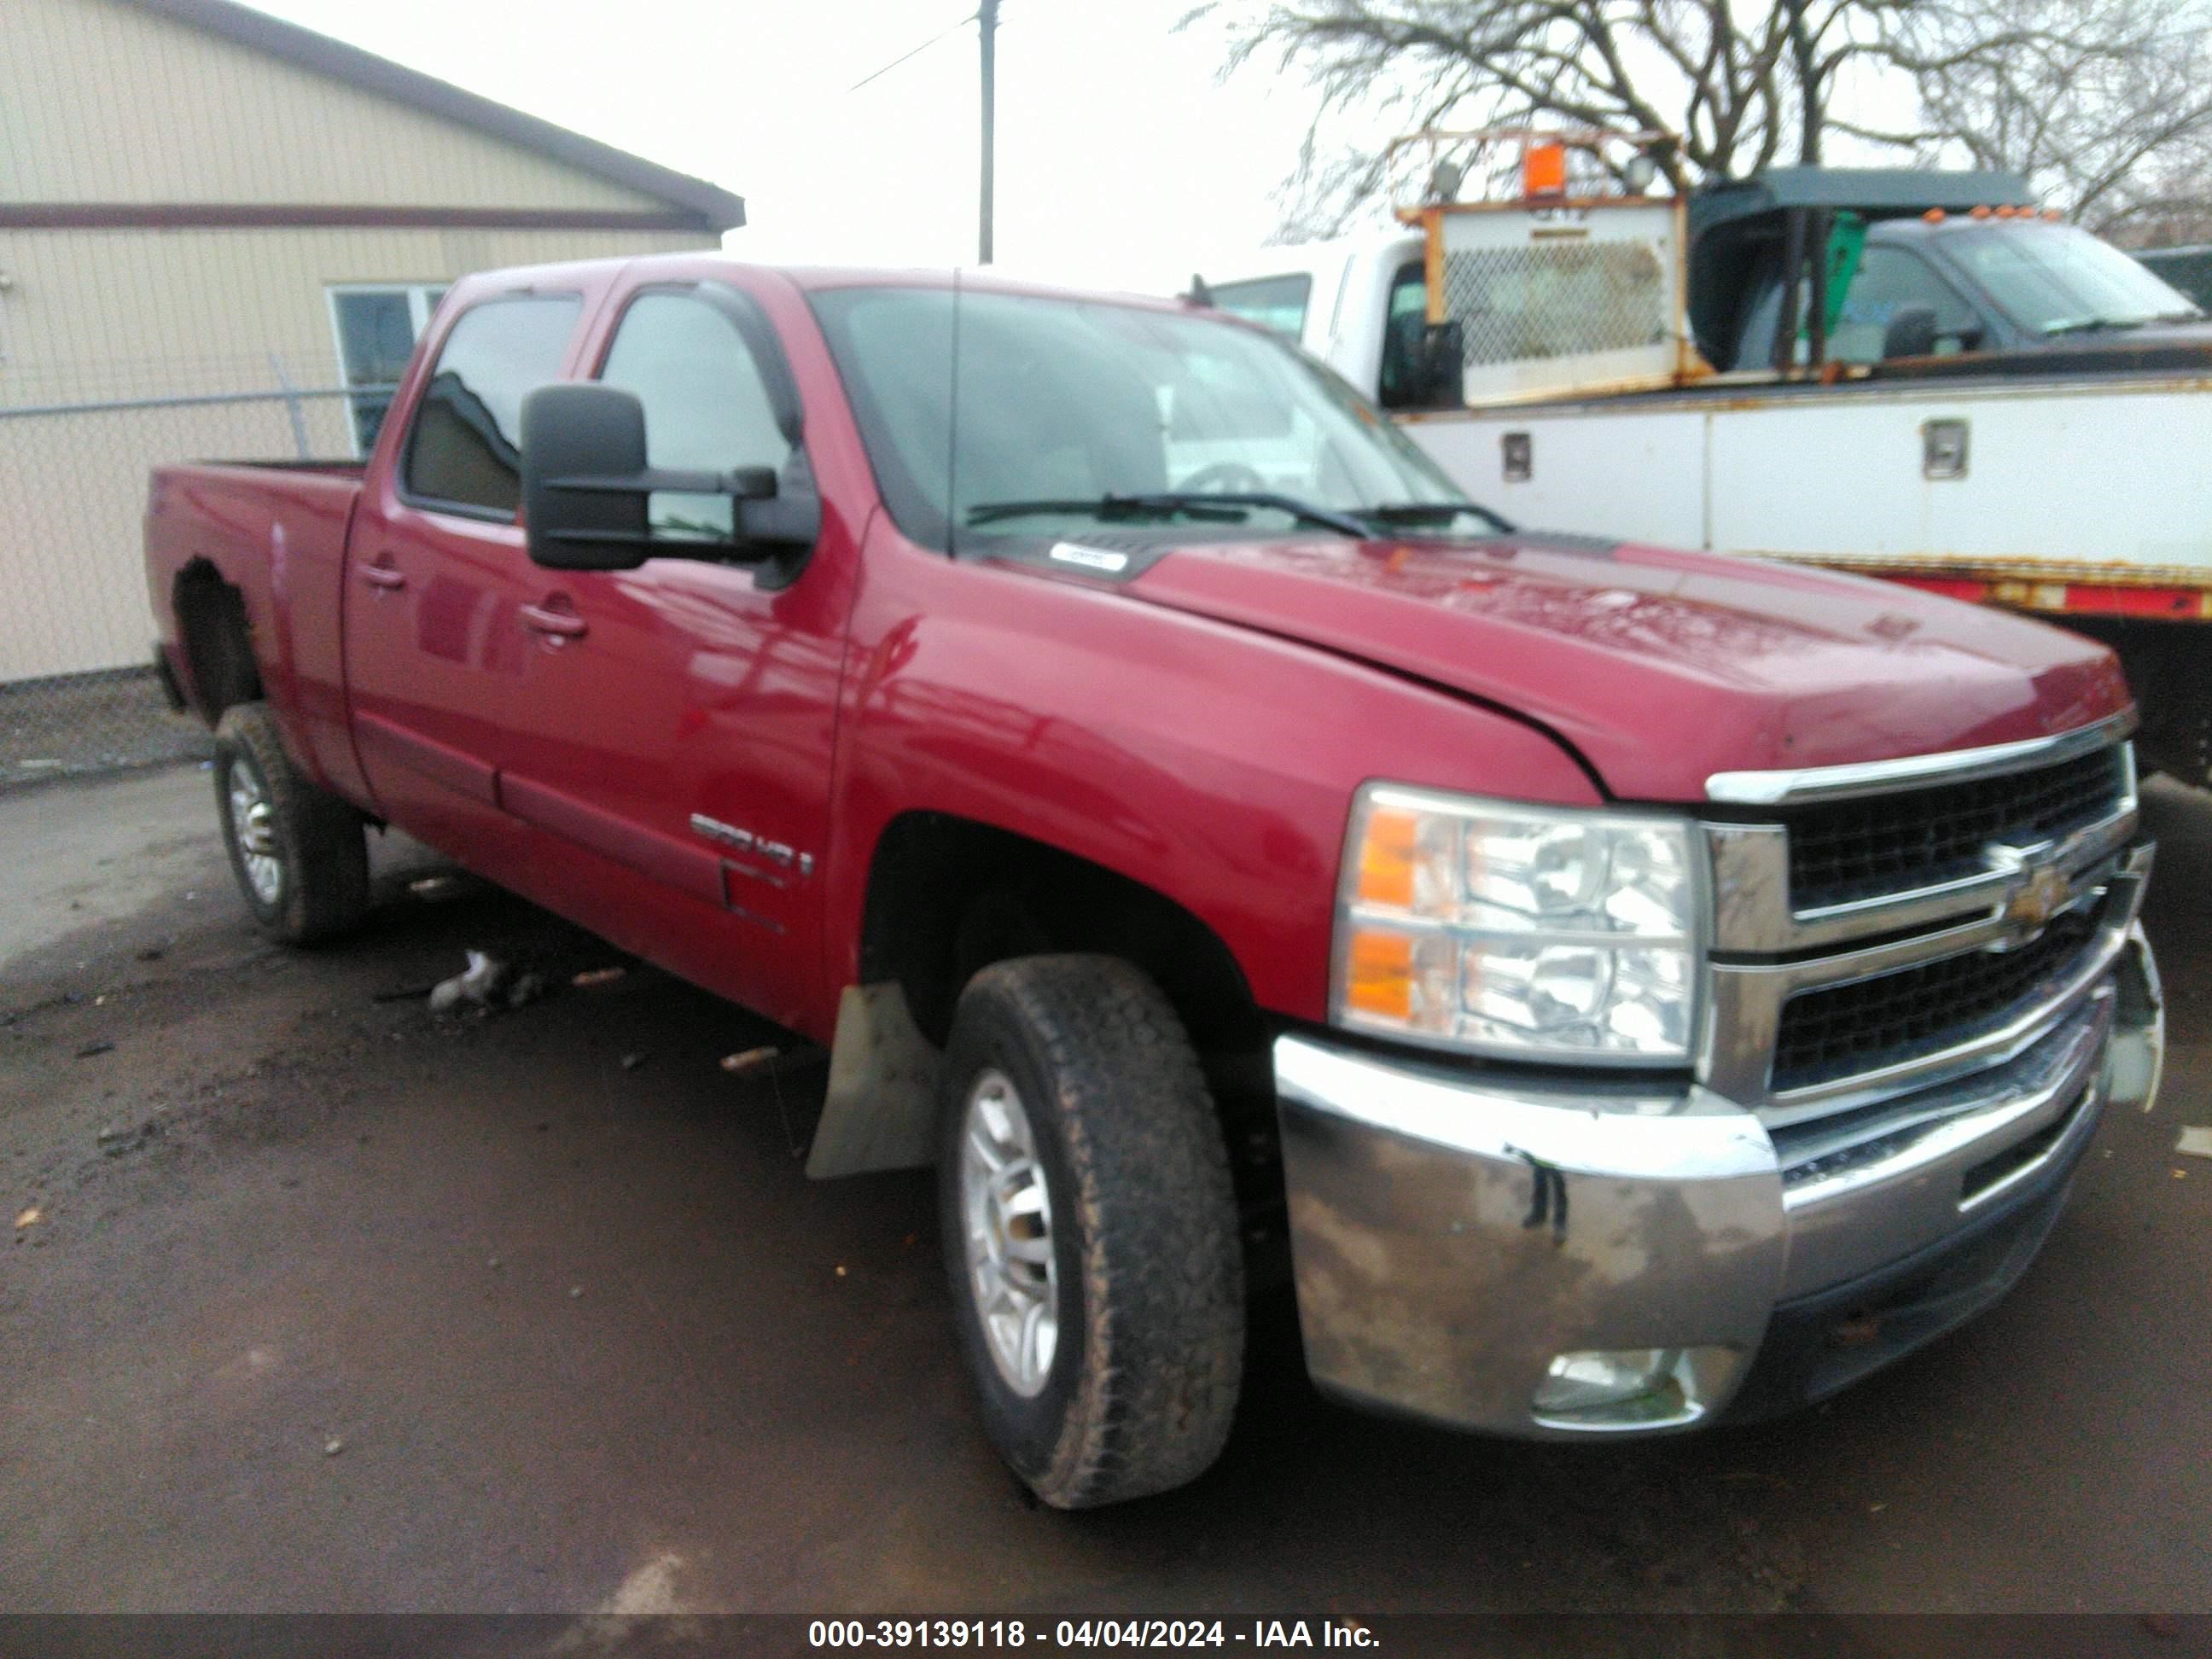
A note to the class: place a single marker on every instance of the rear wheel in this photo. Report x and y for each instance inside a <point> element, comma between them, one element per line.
<point>298,851</point>
<point>1090,1231</point>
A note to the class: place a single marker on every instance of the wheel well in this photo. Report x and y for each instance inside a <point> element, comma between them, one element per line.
<point>217,641</point>
<point>948,896</point>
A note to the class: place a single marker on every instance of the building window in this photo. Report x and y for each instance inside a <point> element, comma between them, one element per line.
<point>376,326</point>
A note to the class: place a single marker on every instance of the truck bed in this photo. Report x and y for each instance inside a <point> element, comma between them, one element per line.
<point>272,531</point>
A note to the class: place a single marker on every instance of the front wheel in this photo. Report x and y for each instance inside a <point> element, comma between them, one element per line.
<point>298,851</point>
<point>1090,1231</point>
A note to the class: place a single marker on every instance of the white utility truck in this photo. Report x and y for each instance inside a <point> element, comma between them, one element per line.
<point>1915,374</point>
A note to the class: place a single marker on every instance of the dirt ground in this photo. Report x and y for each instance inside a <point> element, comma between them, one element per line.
<point>331,1305</point>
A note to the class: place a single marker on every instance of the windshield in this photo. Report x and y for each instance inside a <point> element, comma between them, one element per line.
<point>1071,411</point>
<point>2053,278</point>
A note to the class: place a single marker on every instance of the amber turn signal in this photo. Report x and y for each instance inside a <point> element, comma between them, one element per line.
<point>1387,856</point>
<point>1378,977</point>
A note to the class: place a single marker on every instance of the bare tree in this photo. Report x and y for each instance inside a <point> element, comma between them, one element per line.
<point>2105,104</point>
<point>2178,214</point>
<point>1742,85</point>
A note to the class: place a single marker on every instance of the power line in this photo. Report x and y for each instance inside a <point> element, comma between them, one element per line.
<point>916,52</point>
<point>986,15</point>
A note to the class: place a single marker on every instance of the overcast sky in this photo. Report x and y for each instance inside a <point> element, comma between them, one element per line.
<point>1120,160</point>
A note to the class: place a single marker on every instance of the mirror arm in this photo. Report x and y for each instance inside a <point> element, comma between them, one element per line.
<point>745,483</point>
<point>763,524</point>
<point>598,537</point>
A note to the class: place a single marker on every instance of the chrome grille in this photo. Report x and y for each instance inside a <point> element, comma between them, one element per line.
<point>1844,851</point>
<point>1990,892</point>
<point>1867,1024</point>
<point>1823,1148</point>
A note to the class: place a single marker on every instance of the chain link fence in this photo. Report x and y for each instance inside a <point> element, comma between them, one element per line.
<point>78,693</point>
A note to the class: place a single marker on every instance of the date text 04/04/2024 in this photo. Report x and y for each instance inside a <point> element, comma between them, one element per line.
<point>1086,1633</point>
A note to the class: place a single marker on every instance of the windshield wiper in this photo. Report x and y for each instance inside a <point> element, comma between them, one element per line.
<point>1224,507</point>
<point>1422,512</point>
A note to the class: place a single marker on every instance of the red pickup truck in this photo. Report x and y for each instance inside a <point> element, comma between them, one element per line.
<point>1647,987</point>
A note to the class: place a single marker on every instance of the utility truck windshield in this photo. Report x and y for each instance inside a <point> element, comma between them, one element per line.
<point>2059,279</point>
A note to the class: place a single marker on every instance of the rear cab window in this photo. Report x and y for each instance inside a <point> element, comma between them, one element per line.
<point>463,451</point>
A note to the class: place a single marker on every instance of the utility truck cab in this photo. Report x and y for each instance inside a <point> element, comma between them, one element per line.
<point>1919,375</point>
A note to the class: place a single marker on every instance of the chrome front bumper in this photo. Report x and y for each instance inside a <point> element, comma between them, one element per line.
<point>1453,1232</point>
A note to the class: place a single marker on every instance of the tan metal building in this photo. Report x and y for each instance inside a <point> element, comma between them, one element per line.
<point>199,202</point>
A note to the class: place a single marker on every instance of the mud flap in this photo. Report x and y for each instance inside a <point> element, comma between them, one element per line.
<point>880,1111</point>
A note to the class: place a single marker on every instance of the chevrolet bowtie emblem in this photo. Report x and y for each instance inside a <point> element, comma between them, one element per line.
<point>2039,892</point>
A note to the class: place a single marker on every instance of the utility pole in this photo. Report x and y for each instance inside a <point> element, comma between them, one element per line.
<point>987,18</point>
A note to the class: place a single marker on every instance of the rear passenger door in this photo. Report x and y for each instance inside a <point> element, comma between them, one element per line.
<point>437,649</point>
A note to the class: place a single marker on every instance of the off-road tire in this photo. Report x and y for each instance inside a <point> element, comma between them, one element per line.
<point>317,839</point>
<point>1141,1390</point>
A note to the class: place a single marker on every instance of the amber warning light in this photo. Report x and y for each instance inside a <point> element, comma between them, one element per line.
<point>1543,170</point>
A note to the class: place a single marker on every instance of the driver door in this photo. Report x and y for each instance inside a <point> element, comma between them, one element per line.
<point>677,744</point>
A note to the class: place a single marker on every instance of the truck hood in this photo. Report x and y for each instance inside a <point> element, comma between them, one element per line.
<point>1658,667</point>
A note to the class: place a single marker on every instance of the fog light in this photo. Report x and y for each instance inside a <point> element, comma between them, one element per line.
<point>1632,1388</point>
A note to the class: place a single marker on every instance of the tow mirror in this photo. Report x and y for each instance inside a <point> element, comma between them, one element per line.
<point>1443,364</point>
<point>1424,364</point>
<point>585,487</point>
<point>1910,333</point>
<point>580,445</point>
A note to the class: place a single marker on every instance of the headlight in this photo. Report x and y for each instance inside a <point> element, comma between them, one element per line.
<point>1518,930</point>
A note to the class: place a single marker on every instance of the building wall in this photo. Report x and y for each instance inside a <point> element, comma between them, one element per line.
<point>100,101</point>
<point>96,316</point>
<point>127,114</point>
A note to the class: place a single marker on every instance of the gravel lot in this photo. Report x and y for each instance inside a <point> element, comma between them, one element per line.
<point>329,1304</point>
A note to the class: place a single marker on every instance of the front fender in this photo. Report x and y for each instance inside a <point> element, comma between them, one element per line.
<point>1213,764</point>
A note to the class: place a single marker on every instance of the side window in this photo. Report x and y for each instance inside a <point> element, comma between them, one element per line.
<point>463,450</point>
<point>1276,302</point>
<point>707,407</point>
<point>1889,279</point>
<point>1409,298</point>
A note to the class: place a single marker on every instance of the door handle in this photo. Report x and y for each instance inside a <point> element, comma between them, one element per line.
<point>559,624</point>
<point>383,576</point>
